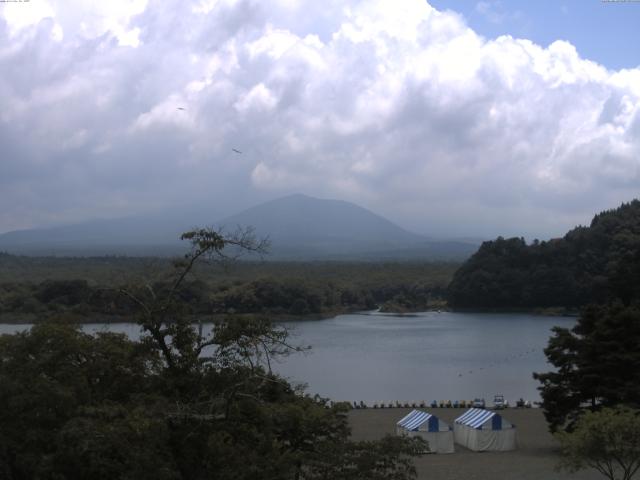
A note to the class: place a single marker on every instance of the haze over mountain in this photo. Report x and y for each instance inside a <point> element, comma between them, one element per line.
<point>299,227</point>
<point>303,219</point>
<point>302,227</point>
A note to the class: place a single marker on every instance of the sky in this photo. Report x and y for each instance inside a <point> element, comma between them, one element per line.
<point>606,32</point>
<point>451,118</point>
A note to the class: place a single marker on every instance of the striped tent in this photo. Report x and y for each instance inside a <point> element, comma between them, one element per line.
<point>483,430</point>
<point>429,427</point>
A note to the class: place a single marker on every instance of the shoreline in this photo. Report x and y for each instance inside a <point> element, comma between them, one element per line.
<point>98,318</point>
<point>546,311</point>
<point>33,319</point>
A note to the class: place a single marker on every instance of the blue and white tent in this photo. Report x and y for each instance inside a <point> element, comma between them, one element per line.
<point>483,430</point>
<point>429,427</point>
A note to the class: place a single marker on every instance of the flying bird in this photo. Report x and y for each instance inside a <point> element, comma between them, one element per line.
<point>181,108</point>
<point>237,151</point>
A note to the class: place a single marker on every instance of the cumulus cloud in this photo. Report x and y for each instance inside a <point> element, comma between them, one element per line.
<point>134,106</point>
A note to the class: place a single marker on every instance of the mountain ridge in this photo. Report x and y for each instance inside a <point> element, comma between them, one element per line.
<point>300,227</point>
<point>301,216</point>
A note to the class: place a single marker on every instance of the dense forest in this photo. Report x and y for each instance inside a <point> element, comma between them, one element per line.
<point>33,289</point>
<point>593,264</point>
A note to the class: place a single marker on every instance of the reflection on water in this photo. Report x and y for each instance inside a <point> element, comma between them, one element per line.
<point>429,356</point>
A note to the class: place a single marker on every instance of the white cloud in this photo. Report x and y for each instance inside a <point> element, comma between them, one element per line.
<point>397,106</point>
<point>258,98</point>
<point>20,15</point>
<point>78,17</point>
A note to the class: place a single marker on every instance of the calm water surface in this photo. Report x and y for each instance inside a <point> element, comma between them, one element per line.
<point>429,356</point>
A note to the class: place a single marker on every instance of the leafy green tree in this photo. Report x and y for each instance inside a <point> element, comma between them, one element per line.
<point>624,276</point>
<point>50,376</point>
<point>597,364</point>
<point>387,459</point>
<point>114,441</point>
<point>607,440</point>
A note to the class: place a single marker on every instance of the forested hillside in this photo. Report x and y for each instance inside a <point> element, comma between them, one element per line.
<point>588,265</point>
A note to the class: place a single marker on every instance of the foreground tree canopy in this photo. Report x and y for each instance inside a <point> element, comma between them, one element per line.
<point>597,364</point>
<point>607,440</point>
<point>592,264</point>
<point>178,404</point>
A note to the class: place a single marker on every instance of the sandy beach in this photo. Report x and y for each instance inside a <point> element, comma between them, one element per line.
<point>535,458</point>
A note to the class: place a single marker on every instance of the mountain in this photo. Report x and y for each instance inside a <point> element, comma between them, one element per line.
<point>324,226</point>
<point>154,234</point>
<point>299,228</point>
<point>302,227</point>
<point>594,264</point>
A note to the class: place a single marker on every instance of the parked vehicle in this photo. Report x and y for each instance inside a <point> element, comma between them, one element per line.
<point>498,402</point>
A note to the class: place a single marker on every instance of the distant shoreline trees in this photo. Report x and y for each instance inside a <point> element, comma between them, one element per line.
<point>274,289</point>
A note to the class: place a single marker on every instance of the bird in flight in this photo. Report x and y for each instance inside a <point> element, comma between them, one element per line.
<point>235,150</point>
<point>181,108</point>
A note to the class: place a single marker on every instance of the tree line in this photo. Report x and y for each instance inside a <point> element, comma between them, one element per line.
<point>594,264</point>
<point>404,287</point>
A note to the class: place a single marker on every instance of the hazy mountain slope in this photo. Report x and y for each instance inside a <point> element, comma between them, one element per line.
<point>142,235</point>
<point>299,227</point>
<point>323,224</point>
<point>302,228</point>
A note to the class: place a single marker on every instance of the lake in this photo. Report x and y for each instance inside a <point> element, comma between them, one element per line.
<point>427,356</point>
<point>430,356</point>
